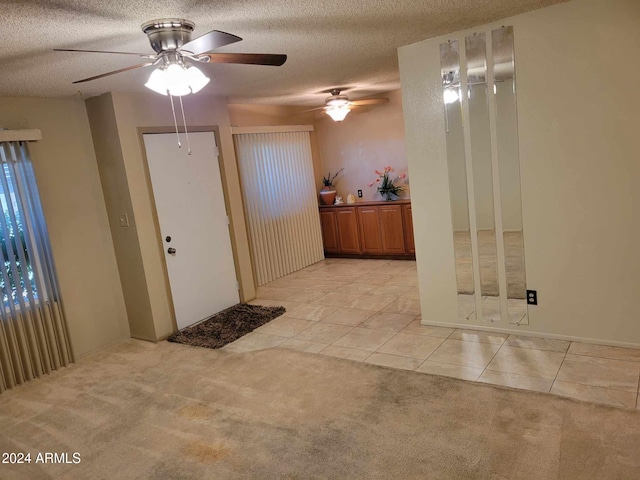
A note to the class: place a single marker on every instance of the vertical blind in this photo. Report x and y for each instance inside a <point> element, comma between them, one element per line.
<point>33,332</point>
<point>280,200</point>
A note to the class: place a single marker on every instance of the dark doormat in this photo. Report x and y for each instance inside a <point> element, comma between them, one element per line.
<point>226,326</point>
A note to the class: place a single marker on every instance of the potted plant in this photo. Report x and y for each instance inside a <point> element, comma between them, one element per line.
<point>328,192</point>
<point>386,185</point>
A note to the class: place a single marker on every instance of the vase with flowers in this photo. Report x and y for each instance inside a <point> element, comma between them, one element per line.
<point>328,192</point>
<point>387,185</point>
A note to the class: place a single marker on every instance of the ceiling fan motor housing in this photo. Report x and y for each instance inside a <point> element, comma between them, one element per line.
<point>168,33</point>
<point>336,100</point>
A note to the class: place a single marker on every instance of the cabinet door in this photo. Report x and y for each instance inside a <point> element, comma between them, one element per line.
<point>347,230</point>
<point>392,229</point>
<point>370,234</point>
<point>408,229</point>
<point>329,231</point>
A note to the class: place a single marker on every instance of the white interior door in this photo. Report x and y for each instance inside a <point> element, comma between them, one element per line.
<point>193,221</point>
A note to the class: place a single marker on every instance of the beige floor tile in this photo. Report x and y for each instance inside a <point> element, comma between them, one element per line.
<point>391,290</point>
<point>393,322</point>
<point>413,294</point>
<point>609,396</point>
<point>312,312</point>
<point>407,345</point>
<point>344,352</point>
<point>406,280</point>
<point>600,372</point>
<point>516,381</point>
<point>321,332</point>
<point>479,336</point>
<point>526,361</point>
<point>307,295</point>
<point>255,341</point>
<point>290,306</point>
<point>603,351</point>
<point>449,370</point>
<point>416,328</point>
<point>348,316</point>
<point>394,361</point>
<point>364,339</point>
<point>371,302</point>
<point>538,343</point>
<point>468,354</point>
<point>403,305</point>
<point>285,326</point>
<point>357,288</point>
<point>276,293</point>
<point>302,345</point>
<point>336,299</point>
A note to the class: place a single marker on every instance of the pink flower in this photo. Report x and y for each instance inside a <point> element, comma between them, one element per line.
<point>371,184</point>
<point>378,180</point>
<point>403,176</point>
<point>378,172</point>
<point>387,169</point>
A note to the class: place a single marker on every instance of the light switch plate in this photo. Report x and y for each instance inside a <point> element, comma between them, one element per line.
<point>124,220</point>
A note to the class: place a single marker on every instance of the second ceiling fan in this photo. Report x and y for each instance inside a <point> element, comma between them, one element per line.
<point>338,106</point>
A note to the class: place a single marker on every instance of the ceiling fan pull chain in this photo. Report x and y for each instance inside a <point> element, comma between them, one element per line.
<point>175,122</point>
<point>186,133</point>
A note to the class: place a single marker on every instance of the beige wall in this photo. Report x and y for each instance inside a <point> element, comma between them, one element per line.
<point>115,186</point>
<point>365,141</point>
<point>577,122</point>
<point>133,111</point>
<point>74,208</point>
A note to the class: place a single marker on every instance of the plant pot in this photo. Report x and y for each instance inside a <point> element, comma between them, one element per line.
<point>327,197</point>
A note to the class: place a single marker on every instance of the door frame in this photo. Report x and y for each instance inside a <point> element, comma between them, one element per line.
<point>147,174</point>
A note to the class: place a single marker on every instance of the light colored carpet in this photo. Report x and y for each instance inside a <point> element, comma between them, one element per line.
<point>169,411</point>
<point>487,254</point>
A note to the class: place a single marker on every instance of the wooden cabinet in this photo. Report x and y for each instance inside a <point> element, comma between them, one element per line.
<point>410,243</point>
<point>368,229</point>
<point>392,230</point>
<point>370,234</point>
<point>329,231</point>
<point>347,225</point>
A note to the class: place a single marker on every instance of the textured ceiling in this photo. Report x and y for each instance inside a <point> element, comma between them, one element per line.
<point>329,43</point>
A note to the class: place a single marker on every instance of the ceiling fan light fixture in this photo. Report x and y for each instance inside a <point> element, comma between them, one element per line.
<point>337,112</point>
<point>197,79</point>
<point>157,82</point>
<point>177,80</point>
<point>450,96</point>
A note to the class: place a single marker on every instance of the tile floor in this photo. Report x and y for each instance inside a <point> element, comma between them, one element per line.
<point>369,311</point>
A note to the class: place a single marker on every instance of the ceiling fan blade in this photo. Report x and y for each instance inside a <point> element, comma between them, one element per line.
<point>210,41</point>
<point>103,51</point>
<point>126,69</point>
<point>370,101</point>
<point>248,58</point>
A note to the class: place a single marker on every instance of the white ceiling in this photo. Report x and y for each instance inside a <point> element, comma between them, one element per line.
<point>329,43</point>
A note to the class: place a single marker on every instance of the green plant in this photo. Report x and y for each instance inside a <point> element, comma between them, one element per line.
<point>386,185</point>
<point>329,179</point>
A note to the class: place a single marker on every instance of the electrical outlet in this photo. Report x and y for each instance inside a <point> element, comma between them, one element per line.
<point>532,297</point>
<point>359,193</point>
<point>124,220</point>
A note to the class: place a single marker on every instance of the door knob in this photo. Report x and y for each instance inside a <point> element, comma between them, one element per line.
<point>171,251</point>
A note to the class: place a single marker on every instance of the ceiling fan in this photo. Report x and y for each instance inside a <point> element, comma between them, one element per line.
<point>177,56</point>
<point>338,106</point>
